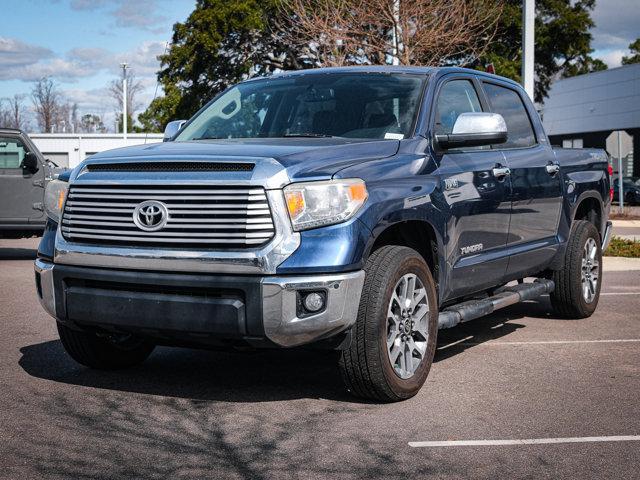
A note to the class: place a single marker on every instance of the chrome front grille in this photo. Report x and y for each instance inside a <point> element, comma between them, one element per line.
<point>229,217</point>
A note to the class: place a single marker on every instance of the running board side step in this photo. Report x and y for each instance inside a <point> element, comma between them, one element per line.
<point>472,309</point>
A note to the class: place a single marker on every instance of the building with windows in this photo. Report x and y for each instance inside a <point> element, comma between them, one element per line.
<point>582,111</point>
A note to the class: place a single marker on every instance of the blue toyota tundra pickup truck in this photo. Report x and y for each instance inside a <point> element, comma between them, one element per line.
<point>357,209</point>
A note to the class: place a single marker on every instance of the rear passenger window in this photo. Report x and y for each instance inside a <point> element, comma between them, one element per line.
<point>456,97</point>
<point>508,103</point>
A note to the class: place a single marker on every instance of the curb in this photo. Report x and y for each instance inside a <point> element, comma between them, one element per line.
<point>626,223</point>
<point>620,264</point>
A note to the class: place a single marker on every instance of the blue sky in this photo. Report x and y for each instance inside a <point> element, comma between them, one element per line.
<point>80,43</point>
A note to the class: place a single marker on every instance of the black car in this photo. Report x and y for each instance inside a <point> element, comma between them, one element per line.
<point>630,190</point>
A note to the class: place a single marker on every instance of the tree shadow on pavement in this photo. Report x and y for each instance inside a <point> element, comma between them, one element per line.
<point>99,434</point>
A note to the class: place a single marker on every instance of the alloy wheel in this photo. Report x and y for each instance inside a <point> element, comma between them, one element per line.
<point>590,270</point>
<point>407,325</point>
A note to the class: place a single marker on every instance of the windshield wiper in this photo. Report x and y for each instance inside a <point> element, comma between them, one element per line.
<point>308,134</point>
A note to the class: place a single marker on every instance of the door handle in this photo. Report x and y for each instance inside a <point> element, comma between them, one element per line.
<point>552,168</point>
<point>501,172</point>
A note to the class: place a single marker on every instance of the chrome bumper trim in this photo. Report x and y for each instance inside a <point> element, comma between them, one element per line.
<point>279,306</point>
<point>264,260</point>
<point>606,238</point>
<point>48,298</point>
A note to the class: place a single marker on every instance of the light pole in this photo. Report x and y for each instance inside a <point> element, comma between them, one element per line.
<point>395,37</point>
<point>124,100</point>
<point>528,26</point>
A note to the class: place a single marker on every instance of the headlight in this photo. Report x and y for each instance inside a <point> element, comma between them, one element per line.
<point>54,196</point>
<point>315,204</point>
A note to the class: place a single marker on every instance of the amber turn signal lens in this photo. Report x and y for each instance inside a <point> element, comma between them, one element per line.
<point>295,203</point>
<point>358,192</point>
<point>61,196</point>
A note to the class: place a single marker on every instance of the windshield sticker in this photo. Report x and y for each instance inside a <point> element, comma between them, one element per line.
<point>393,136</point>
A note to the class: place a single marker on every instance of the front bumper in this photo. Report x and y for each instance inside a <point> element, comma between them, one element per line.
<point>199,307</point>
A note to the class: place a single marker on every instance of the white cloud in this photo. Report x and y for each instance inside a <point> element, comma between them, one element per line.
<point>88,4</point>
<point>127,13</point>
<point>16,55</point>
<point>20,61</point>
<point>143,60</point>
<point>139,14</point>
<point>613,58</point>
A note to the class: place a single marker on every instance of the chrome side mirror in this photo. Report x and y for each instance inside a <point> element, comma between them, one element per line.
<point>172,128</point>
<point>473,129</point>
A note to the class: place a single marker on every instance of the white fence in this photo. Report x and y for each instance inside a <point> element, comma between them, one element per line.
<point>69,149</point>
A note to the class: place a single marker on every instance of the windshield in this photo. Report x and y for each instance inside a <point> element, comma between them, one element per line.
<point>353,105</point>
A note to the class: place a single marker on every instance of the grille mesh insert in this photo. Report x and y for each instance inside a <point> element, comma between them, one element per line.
<point>171,167</point>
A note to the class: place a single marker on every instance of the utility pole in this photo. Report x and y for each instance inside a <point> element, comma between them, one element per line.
<point>124,67</point>
<point>528,26</point>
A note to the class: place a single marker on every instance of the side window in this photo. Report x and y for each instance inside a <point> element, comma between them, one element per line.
<point>508,103</point>
<point>12,152</point>
<point>456,97</point>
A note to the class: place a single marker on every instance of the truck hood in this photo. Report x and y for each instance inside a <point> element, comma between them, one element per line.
<point>302,158</point>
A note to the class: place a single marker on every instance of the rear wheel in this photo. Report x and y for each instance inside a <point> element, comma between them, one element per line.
<point>105,352</point>
<point>577,284</point>
<point>394,338</point>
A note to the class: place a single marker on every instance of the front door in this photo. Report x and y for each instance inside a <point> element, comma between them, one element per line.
<point>21,191</point>
<point>536,190</point>
<point>475,190</point>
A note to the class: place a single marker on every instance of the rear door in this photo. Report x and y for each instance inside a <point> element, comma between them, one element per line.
<point>21,191</point>
<point>536,190</point>
<point>476,196</point>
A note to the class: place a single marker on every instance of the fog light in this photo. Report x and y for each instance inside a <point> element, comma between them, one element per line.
<point>313,302</point>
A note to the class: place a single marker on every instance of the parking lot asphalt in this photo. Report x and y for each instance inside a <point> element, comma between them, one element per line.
<point>518,375</point>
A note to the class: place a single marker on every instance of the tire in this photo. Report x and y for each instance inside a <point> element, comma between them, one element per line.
<point>103,352</point>
<point>570,299</point>
<point>366,366</point>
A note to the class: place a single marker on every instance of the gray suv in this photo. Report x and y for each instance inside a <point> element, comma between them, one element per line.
<point>24,174</point>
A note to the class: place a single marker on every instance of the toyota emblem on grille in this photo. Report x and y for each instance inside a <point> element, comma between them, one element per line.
<point>150,216</point>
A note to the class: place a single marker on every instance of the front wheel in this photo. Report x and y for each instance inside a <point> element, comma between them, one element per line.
<point>104,352</point>
<point>577,283</point>
<point>394,338</point>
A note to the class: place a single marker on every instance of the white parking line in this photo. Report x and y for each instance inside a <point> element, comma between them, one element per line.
<point>526,441</point>
<point>548,342</point>
<point>601,293</point>
<point>621,293</point>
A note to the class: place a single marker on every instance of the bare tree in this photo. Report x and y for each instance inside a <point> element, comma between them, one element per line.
<point>14,115</point>
<point>414,32</point>
<point>46,103</point>
<point>5,115</point>
<point>134,88</point>
<point>91,123</point>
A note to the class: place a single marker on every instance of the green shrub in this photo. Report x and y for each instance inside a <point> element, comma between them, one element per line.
<point>620,247</point>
